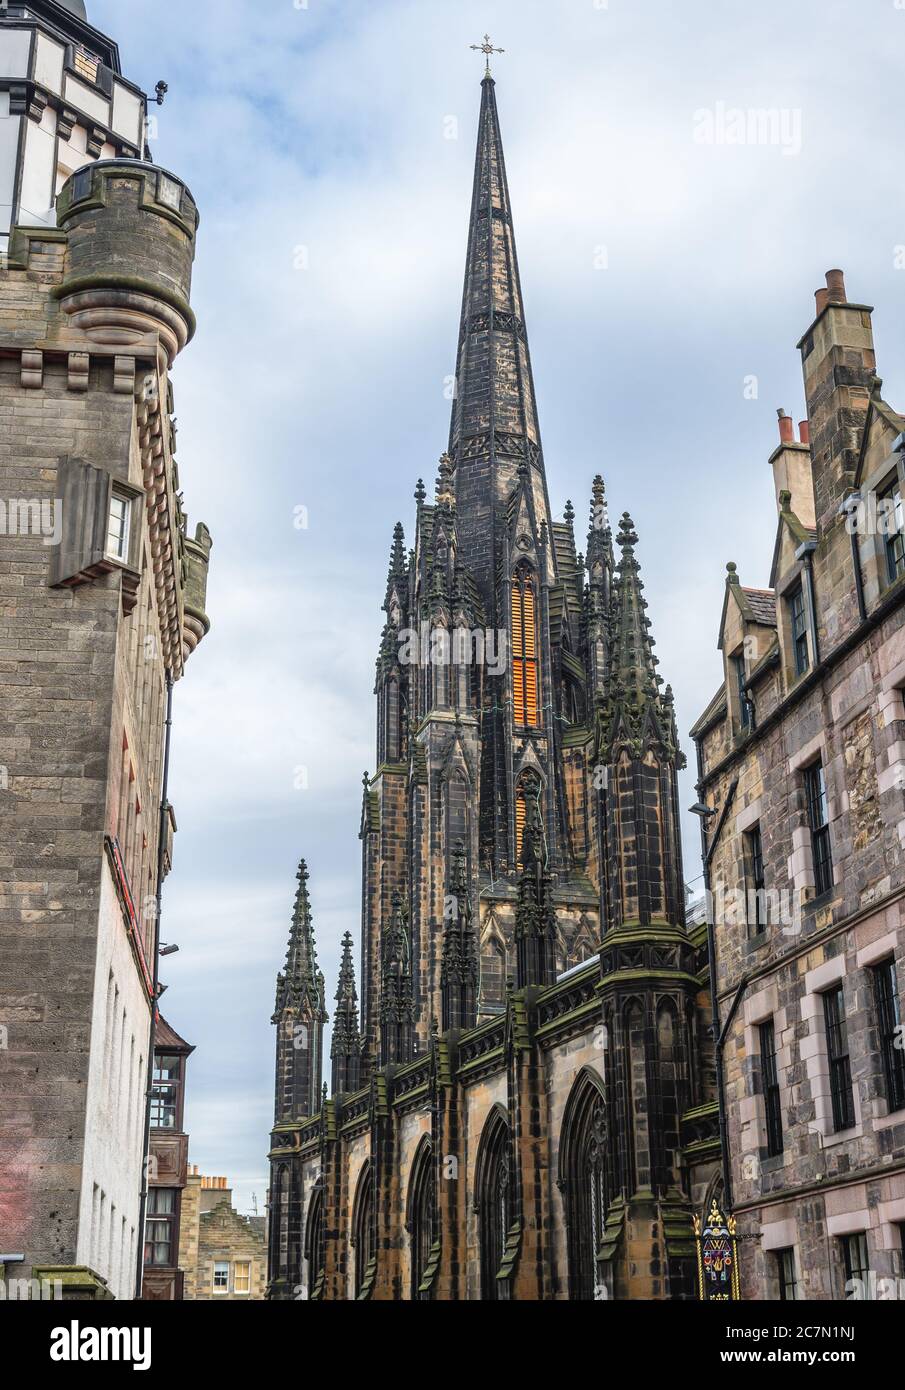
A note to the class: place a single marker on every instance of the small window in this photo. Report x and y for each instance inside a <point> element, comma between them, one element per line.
<point>788,1281</point>
<point>893,530</point>
<point>161,1227</point>
<point>745,704</point>
<point>818,822</point>
<point>242,1276</point>
<point>221,1276</point>
<point>165,1093</point>
<point>770,1085</point>
<point>892,1037</point>
<point>840,1063</point>
<point>119,526</point>
<point>754,882</point>
<point>799,623</point>
<point>855,1263</point>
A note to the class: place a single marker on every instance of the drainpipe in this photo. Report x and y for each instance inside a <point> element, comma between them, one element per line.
<point>155,975</point>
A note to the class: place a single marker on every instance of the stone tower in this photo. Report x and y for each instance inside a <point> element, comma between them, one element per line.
<point>530,993</point>
<point>102,589</point>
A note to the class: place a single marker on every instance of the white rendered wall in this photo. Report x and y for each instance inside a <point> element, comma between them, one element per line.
<point>115,1105</point>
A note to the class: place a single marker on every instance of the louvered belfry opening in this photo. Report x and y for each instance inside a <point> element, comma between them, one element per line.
<point>525,704</point>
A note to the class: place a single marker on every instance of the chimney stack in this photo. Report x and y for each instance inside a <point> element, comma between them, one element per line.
<point>791,464</point>
<point>838,364</point>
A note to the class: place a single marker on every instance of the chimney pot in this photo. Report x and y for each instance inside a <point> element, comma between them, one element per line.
<point>786,428</point>
<point>823,298</point>
<point>804,432</point>
<point>835,284</point>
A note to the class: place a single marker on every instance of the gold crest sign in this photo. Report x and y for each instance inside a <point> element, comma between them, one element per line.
<point>717,1257</point>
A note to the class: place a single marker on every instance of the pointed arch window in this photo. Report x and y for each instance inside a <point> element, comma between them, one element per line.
<point>314,1245</point>
<point>422,1192</point>
<point>584,1164</point>
<point>494,1204</point>
<point>282,1224</point>
<point>363,1234</point>
<point>525,682</point>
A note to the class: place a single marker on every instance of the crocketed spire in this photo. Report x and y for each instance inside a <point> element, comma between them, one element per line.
<point>300,985</point>
<point>346,1046</point>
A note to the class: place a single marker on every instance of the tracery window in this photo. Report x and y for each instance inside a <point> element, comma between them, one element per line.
<point>494,1206</point>
<point>585,1179</point>
<point>314,1244</point>
<point>420,1216</point>
<point>363,1231</point>
<point>525,685</point>
<point>283,1223</point>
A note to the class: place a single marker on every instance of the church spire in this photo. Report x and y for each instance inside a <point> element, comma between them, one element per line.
<point>345,1049</point>
<point>300,1015</point>
<point>633,664</point>
<point>301,984</point>
<point>494,426</point>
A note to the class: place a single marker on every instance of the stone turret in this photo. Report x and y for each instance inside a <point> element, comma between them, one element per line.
<point>131,231</point>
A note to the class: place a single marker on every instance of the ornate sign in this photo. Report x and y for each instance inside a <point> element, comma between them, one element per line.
<point>717,1257</point>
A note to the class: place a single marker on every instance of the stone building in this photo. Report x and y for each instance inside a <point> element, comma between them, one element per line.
<point>102,596</point>
<point>223,1254</point>
<point>167,1169</point>
<point>524,1108</point>
<point>802,766</point>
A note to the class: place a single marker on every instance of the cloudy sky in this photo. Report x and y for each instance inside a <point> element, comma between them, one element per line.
<point>667,279</point>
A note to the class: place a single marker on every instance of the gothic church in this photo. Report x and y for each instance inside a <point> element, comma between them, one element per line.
<point>525,1107</point>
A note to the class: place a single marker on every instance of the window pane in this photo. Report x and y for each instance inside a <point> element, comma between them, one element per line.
<point>886,999</point>
<point>770,1084</point>
<point>118,528</point>
<point>840,1066</point>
